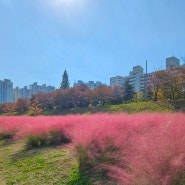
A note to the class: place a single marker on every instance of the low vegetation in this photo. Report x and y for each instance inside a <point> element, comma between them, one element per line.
<point>136,107</point>
<point>144,148</point>
<point>46,165</point>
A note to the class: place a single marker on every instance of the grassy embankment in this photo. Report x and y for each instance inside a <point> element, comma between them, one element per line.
<point>134,107</point>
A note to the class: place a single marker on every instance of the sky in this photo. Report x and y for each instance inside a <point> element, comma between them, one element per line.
<point>91,39</point>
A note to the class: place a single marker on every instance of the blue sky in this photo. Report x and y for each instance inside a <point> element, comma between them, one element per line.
<point>91,39</point>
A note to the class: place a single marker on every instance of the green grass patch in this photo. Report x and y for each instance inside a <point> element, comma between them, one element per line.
<point>140,107</point>
<point>47,165</point>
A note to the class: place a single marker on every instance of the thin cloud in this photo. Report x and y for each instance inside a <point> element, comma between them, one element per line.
<point>68,9</point>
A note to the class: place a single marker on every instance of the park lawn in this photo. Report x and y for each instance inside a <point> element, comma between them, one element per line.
<point>46,165</point>
<point>137,107</point>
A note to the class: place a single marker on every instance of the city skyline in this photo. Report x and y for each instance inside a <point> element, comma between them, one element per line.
<point>137,78</point>
<point>76,82</point>
<point>92,40</point>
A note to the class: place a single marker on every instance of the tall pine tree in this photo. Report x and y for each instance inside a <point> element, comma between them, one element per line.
<point>65,81</point>
<point>128,91</point>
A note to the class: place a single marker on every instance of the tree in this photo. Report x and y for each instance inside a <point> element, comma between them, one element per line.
<point>65,81</point>
<point>101,95</point>
<point>154,85</point>
<point>170,83</point>
<point>117,95</point>
<point>21,106</point>
<point>128,91</point>
<point>35,106</point>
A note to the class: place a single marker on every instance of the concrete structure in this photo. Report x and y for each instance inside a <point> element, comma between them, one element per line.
<point>6,91</point>
<point>79,82</point>
<point>116,81</point>
<point>16,94</point>
<point>24,92</point>
<point>136,77</point>
<point>89,84</point>
<point>172,62</point>
<point>34,88</point>
<point>21,93</point>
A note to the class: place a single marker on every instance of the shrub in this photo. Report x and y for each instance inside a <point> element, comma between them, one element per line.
<point>36,141</point>
<point>4,135</point>
<point>56,137</point>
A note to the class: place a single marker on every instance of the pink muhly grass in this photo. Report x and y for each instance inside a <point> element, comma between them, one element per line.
<point>145,148</point>
<point>160,153</point>
<point>139,149</point>
<point>42,125</point>
<point>102,140</point>
<point>11,125</point>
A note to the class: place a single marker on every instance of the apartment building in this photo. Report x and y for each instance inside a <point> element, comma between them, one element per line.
<point>89,84</point>
<point>116,81</point>
<point>137,77</point>
<point>6,91</point>
<point>34,88</point>
<point>21,93</point>
<point>172,62</point>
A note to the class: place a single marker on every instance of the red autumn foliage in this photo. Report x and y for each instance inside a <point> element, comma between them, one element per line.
<point>140,149</point>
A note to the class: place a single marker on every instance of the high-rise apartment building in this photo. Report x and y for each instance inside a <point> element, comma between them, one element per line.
<point>172,62</point>
<point>34,88</point>
<point>1,91</point>
<point>138,79</point>
<point>89,84</point>
<point>116,81</point>
<point>134,78</point>
<point>6,91</point>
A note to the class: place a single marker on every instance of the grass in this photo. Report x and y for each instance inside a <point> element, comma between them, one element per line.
<point>137,107</point>
<point>46,165</point>
<point>133,107</point>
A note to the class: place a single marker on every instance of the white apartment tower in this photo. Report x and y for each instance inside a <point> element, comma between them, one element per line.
<point>116,81</point>
<point>135,77</point>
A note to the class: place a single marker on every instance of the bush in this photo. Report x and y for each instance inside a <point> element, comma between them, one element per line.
<point>36,141</point>
<point>5,135</point>
<point>55,137</point>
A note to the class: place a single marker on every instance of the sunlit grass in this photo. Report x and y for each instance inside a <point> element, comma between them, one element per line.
<point>137,107</point>
<point>47,165</point>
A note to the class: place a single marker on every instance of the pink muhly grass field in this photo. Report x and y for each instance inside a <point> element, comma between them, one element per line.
<point>140,149</point>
